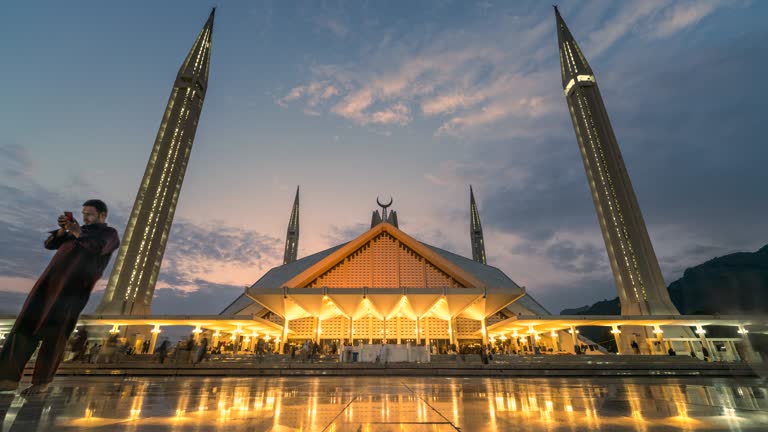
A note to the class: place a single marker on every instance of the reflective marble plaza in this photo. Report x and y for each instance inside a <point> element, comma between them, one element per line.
<point>396,403</point>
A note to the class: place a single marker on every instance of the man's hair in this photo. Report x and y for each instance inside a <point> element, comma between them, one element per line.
<point>97,204</point>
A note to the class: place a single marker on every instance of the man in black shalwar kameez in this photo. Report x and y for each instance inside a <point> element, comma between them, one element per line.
<point>53,306</point>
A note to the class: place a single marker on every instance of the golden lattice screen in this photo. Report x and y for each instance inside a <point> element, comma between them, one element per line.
<point>384,262</point>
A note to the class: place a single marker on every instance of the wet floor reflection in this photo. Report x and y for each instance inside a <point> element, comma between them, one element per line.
<point>394,403</point>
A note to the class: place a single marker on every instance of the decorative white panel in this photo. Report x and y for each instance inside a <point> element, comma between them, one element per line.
<point>304,328</point>
<point>335,328</point>
<point>466,327</point>
<point>437,328</point>
<point>407,328</point>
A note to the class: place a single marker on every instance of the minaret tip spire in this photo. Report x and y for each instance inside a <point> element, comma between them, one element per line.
<point>573,64</point>
<point>476,230</point>
<point>292,236</point>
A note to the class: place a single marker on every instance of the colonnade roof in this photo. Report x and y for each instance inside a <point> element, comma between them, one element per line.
<point>385,303</point>
<point>247,324</point>
<point>546,323</point>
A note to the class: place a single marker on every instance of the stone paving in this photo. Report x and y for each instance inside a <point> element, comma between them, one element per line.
<point>389,404</point>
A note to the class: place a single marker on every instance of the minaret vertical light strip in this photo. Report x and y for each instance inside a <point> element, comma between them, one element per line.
<point>475,230</point>
<point>636,271</point>
<point>131,285</point>
<point>292,237</point>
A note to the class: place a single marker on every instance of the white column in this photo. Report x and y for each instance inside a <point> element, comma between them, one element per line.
<point>484,332</point>
<point>398,330</point>
<point>617,337</point>
<point>749,351</point>
<point>659,337</point>
<point>153,340</point>
<point>370,329</point>
<point>574,339</point>
<point>284,338</point>
<point>452,333</point>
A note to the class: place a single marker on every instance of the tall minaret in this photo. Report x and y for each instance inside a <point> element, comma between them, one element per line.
<point>475,230</point>
<point>636,271</point>
<point>132,283</point>
<point>292,237</point>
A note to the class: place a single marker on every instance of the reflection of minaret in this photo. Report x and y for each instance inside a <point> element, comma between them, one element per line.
<point>475,230</point>
<point>132,283</point>
<point>292,237</point>
<point>636,271</point>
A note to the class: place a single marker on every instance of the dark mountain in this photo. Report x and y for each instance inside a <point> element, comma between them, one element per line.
<point>732,284</point>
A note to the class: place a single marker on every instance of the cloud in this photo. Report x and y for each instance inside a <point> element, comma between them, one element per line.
<point>655,19</point>
<point>341,234</point>
<point>683,15</point>
<point>197,255</point>
<point>335,26</point>
<point>315,93</point>
<point>476,80</point>
<point>214,253</point>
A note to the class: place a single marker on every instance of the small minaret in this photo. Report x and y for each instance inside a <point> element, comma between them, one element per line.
<point>131,285</point>
<point>292,237</point>
<point>475,230</point>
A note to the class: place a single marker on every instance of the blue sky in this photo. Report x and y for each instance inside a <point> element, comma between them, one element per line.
<point>411,99</point>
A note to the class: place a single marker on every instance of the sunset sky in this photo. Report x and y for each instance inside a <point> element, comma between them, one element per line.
<point>354,100</point>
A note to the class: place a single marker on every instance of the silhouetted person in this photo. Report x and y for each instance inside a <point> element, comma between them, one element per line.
<point>635,347</point>
<point>79,344</point>
<point>671,352</point>
<point>162,351</point>
<point>54,304</point>
<point>705,353</point>
<point>202,351</point>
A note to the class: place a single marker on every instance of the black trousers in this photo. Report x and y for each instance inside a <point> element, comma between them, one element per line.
<point>21,343</point>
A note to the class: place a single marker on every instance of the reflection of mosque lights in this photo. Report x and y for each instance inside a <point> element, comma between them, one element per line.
<point>550,404</point>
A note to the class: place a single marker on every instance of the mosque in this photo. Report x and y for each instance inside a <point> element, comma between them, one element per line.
<point>386,287</point>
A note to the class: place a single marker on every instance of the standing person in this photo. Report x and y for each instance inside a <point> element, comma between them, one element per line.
<point>145,347</point>
<point>162,351</point>
<point>202,351</point>
<point>54,304</point>
<point>79,344</point>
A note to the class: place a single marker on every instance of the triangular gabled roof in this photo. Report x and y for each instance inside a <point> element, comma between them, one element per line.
<point>310,275</point>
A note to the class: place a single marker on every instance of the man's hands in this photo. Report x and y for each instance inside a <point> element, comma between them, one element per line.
<point>65,224</point>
